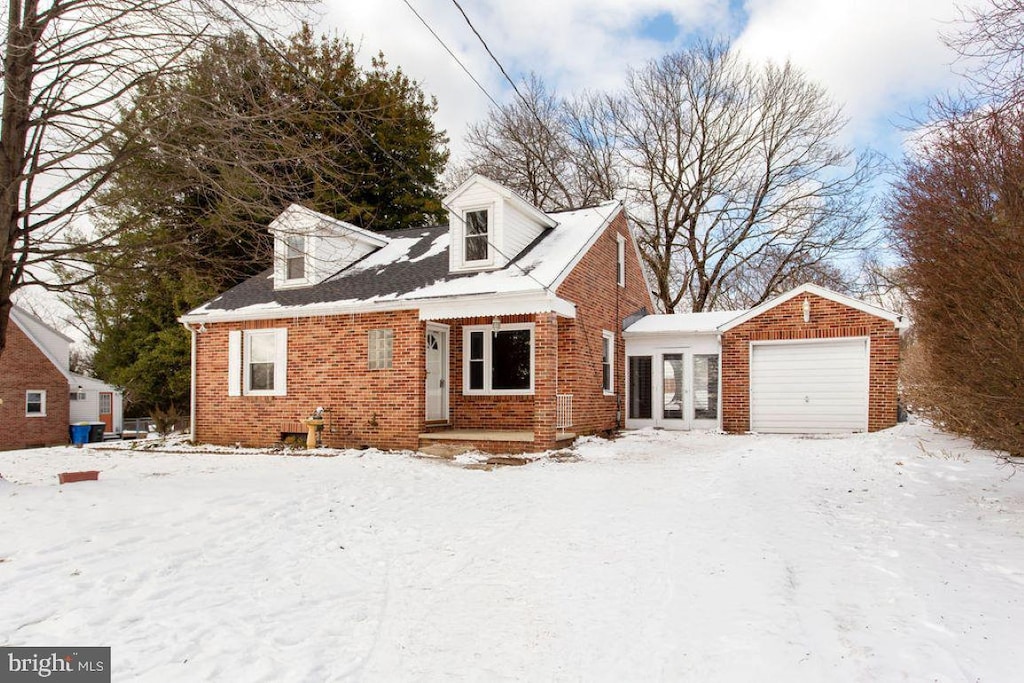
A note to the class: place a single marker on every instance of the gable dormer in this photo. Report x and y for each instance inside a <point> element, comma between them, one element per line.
<point>489,225</point>
<point>309,247</point>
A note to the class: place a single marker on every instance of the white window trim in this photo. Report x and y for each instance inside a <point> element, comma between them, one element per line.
<point>281,280</point>
<point>42,402</point>
<point>280,362</point>
<point>304,251</point>
<point>479,263</point>
<point>607,336</point>
<point>488,366</point>
<point>373,350</point>
<point>620,261</point>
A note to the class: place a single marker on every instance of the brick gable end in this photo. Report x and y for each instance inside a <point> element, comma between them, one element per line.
<point>23,367</point>
<point>829,320</point>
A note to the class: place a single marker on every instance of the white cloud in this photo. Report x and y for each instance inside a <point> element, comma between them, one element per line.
<point>877,58</point>
<point>572,44</point>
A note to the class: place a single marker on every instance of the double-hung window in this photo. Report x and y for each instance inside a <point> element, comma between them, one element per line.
<point>608,362</point>
<point>620,261</point>
<point>257,362</point>
<point>498,361</point>
<point>295,257</point>
<point>35,403</point>
<point>477,236</point>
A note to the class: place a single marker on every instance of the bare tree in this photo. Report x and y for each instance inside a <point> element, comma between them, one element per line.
<point>548,150</point>
<point>67,66</point>
<point>735,178</point>
<point>732,173</point>
<point>992,40</point>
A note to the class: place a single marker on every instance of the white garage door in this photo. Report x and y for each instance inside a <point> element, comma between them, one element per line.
<point>809,387</point>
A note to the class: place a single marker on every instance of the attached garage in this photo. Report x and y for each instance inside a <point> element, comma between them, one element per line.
<point>818,386</point>
<point>810,361</point>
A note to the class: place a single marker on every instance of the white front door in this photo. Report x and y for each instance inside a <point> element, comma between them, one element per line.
<point>437,373</point>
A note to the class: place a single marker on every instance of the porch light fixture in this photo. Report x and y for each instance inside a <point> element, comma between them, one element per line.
<point>202,328</point>
<point>496,325</point>
<point>807,310</point>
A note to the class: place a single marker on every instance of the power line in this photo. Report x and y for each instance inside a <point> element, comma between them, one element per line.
<point>357,125</point>
<point>488,48</point>
<point>449,51</point>
<point>526,103</point>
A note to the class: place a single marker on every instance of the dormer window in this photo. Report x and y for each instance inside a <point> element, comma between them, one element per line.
<point>490,225</point>
<point>295,257</point>
<point>477,236</point>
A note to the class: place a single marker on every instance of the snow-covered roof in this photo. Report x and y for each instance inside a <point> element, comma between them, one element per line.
<point>300,219</point>
<point>411,271</point>
<point>692,323</point>
<point>898,320</point>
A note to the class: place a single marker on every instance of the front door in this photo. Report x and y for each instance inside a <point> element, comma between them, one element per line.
<point>107,410</point>
<point>437,373</point>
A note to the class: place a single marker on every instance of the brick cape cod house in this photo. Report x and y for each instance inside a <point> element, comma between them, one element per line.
<point>511,329</point>
<point>39,395</point>
<point>501,330</point>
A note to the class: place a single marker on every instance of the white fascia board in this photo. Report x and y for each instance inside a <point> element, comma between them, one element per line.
<point>429,309</point>
<point>670,333</point>
<point>308,311</point>
<point>93,383</point>
<point>808,288</point>
<point>20,312</point>
<point>301,213</point>
<point>483,305</point>
<point>499,189</point>
<point>569,267</point>
<point>39,345</point>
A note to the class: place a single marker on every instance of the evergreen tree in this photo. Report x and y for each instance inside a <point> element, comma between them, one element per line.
<point>229,145</point>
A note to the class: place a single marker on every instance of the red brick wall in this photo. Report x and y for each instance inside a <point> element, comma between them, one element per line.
<point>512,413</point>
<point>22,367</point>
<point>327,366</point>
<point>601,304</point>
<point>829,319</point>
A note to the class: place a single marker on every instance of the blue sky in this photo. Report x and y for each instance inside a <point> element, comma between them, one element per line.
<point>880,59</point>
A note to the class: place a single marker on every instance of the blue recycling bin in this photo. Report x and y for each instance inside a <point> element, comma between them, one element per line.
<point>80,434</point>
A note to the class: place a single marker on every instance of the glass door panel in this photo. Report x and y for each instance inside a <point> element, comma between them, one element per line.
<point>672,386</point>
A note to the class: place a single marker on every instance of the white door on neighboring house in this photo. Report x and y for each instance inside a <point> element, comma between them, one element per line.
<point>437,373</point>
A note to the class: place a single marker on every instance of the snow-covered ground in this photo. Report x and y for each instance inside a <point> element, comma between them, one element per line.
<point>658,556</point>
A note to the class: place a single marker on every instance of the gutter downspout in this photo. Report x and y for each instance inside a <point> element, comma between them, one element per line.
<point>192,387</point>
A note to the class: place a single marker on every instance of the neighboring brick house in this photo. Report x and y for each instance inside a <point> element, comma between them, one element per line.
<point>810,360</point>
<point>39,395</point>
<point>501,330</point>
